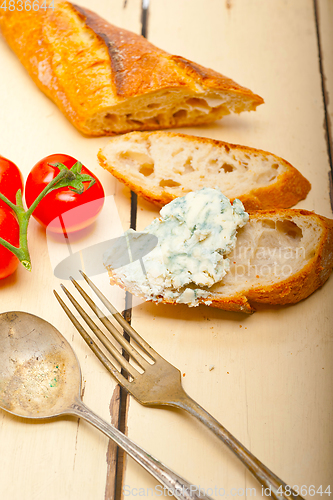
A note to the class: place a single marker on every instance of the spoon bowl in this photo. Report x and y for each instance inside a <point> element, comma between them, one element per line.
<point>40,377</point>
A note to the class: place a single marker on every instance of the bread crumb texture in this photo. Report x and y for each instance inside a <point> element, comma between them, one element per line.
<point>107,80</point>
<point>194,236</point>
<point>161,166</point>
<point>278,257</point>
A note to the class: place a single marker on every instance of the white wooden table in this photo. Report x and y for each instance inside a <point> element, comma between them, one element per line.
<point>271,381</point>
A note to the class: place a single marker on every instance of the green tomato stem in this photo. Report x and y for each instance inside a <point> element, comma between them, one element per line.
<point>9,246</point>
<point>62,174</point>
<point>23,216</point>
<point>21,251</point>
<point>8,202</point>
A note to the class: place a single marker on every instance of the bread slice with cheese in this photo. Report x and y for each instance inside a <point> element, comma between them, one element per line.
<point>280,257</point>
<point>161,166</point>
<point>107,80</point>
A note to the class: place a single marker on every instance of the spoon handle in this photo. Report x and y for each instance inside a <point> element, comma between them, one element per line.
<point>179,487</point>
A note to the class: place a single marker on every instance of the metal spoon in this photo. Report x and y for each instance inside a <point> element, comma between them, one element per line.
<point>40,377</point>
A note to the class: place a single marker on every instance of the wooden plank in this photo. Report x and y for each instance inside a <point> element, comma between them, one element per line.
<point>271,384</point>
<point>268,387</point>
<point>65,458</point>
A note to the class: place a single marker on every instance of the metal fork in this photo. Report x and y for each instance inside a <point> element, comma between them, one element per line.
<point>160,382</point>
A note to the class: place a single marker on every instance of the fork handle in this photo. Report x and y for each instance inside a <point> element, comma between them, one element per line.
<point>277,488</point>
<point>179,487</point>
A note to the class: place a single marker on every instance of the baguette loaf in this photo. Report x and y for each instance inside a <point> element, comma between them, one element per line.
<point>107,80</point>
<point>161,166</point>
<point>280,257</point>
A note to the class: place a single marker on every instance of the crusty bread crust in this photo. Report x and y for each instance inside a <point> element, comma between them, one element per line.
<point>298,286</point>
<point>286,188</point>
<point>119,76</point>
<point>309,273</point>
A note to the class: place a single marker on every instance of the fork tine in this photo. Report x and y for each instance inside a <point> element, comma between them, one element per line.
<point>129,348</point>
<point>117,316</point>
<point>99,334</point>
<point>93,346</point>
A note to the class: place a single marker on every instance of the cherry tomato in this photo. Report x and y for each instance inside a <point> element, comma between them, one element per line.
<point>11,180</point>
<point>9,231</point>
<point>63,210</point>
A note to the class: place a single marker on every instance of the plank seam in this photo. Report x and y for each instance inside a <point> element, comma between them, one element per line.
<point>124,399</point>
<point>327,121</point>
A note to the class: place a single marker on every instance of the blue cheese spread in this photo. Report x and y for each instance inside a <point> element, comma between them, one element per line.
<point>195,234</point>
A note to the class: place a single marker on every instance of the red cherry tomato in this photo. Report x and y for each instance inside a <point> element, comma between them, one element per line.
<point>9,231</point>
<point>11,180</point>
<point>63,210</point>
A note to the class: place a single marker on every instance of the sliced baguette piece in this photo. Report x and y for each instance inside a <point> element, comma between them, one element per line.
<point>107,80</point>
<point>281,257</point>
<point>161,166</point>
